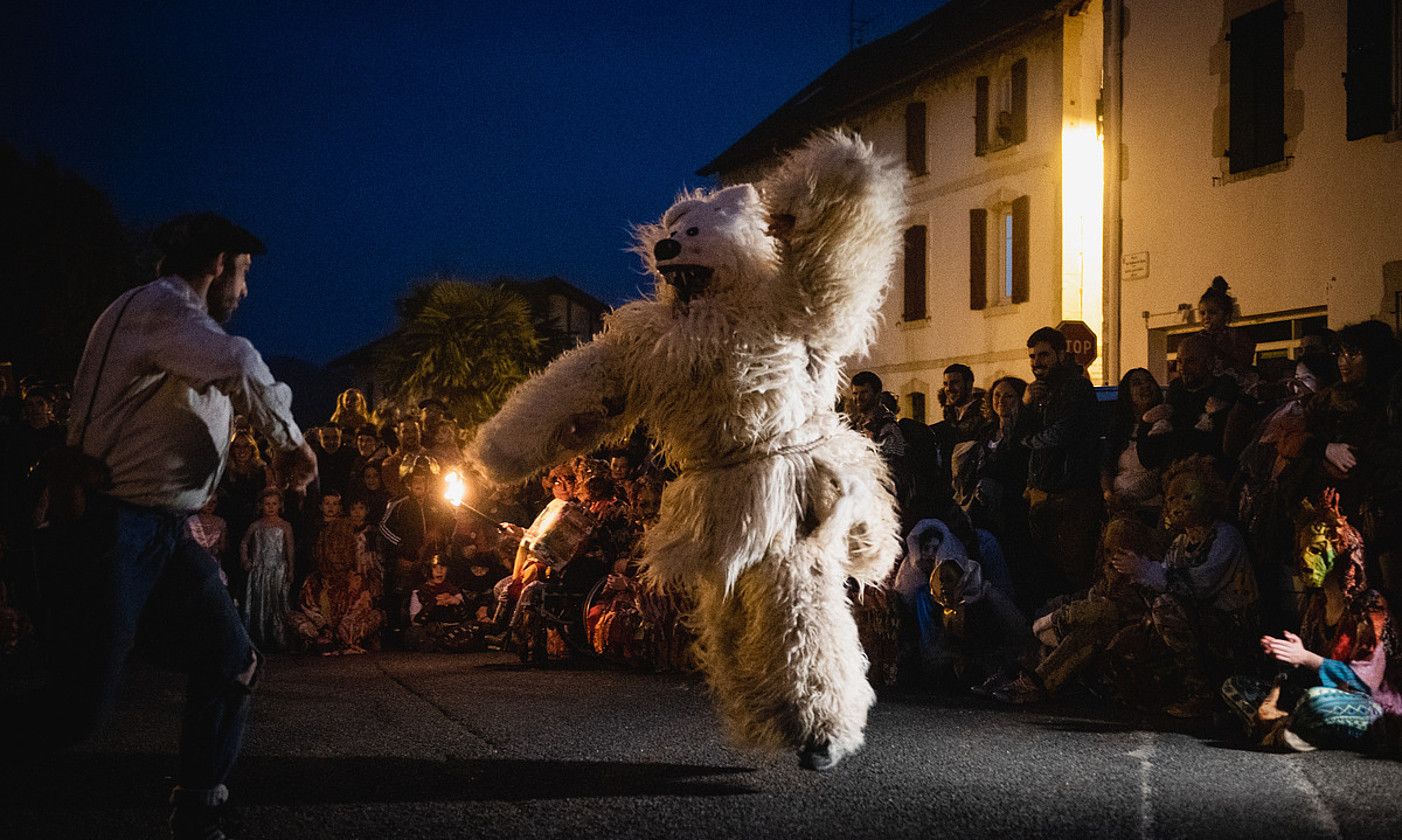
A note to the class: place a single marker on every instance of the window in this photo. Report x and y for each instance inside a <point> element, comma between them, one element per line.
<point>915,273</point>
<point>1000,108</point>
<point>917,407</point>
<point>915,138</point>
<point>1373,80</point>
<point>999,275</point>
<point>1256,108</point>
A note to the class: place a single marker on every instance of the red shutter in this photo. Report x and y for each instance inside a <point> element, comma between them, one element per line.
<point>1021,255</point>
<point>978,258</point>
<point>981,115</point>
<point>915,273</point>
<point>915,138</point>
<point>1019,80</point>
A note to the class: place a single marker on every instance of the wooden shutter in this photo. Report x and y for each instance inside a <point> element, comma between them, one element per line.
<point>1021,254</point>
<point>1368,82</point>
<point>978,258</point>
<point>915,273</point>
<point>915,138</point>
<point>1257,102</point>
<point>917,407</point>
<point>981,115</point>
<point>1019,81</point>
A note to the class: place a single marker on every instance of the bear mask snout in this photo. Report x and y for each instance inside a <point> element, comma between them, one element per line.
<point>667,249</point>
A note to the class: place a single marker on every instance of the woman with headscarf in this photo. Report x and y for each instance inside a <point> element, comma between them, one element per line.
<point>969,629</point>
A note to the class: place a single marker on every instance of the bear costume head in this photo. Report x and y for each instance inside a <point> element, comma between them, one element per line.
<point>709,246</point>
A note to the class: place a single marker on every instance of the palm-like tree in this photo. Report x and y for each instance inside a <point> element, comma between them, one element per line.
<point>463,343</point>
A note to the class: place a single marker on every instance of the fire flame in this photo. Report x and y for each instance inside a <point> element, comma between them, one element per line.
<point>454,488</point>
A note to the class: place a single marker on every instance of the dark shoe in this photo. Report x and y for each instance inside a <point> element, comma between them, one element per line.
<point>196,822</point>
<point>818,757</point>
<point>988,686</point>
<point>1021,691</point>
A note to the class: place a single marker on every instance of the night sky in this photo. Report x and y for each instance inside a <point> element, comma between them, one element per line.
<point>373,144</point>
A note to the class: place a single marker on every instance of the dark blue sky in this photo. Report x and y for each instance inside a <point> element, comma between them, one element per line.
<point>372,144</point>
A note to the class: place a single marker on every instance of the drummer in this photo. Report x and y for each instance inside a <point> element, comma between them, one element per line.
<point>550,541</point>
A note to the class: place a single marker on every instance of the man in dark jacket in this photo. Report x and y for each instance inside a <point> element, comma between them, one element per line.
<point>1065,506</point>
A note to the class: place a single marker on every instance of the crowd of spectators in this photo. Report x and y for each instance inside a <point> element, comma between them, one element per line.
<point>1228,541</point>
<point>1225,542</point>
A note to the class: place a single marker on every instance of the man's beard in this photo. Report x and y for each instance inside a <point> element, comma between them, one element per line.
<point>220,303</point>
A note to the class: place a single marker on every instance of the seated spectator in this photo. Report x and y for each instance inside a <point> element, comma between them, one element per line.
<point>1131,487</point>
<point>1274,475</point>
<point>267,551</point>
<point>1202,601</point>
<point>552,540</point>
<point>1193,416</point>
<point>1340,684</point>
<point>337,610</point>
<point>969,629</point>
<point>1076,631</point>
<point>440,616</point>
<point>15,626</point>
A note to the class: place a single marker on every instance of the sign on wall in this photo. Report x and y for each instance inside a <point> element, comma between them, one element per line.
<point>1134,266</point>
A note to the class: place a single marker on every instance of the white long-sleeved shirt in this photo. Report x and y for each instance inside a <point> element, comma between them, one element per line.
<point>163,408</point>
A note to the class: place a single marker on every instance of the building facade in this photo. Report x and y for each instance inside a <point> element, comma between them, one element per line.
<point>1260,143</point>
<point>1256,140</point>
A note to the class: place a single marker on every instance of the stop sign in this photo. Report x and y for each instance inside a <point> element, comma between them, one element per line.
<point>1080,341</point>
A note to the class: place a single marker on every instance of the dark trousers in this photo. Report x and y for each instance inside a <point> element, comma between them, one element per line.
<point>131,574</point>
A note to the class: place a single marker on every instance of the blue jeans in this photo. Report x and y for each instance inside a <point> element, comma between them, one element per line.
<point>132,574</point>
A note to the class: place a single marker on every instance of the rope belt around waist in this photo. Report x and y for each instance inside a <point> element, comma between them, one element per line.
<point>751,457</point>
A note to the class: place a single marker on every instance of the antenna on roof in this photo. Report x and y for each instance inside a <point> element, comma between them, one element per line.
<point>856,27</point>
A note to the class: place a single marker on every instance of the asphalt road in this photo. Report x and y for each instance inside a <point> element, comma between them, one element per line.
<point>392,745</point>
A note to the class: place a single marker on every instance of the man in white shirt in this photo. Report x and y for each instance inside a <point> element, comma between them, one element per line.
<point>155,395</point>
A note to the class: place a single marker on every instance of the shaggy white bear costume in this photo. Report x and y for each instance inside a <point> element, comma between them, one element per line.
<point>735,366</point>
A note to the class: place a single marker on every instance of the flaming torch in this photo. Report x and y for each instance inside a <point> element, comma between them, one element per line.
<point>455,492</point>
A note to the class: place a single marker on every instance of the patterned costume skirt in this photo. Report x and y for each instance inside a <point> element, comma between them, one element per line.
<point>1338,714</point>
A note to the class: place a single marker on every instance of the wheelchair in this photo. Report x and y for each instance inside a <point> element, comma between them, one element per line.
<point>557,603</point>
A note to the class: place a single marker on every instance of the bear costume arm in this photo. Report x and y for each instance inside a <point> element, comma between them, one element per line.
<point>566,409</point>
<point>849,210</point>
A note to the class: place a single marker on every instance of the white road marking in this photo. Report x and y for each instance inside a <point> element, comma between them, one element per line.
<point>1145,756</point>
<point>1319,809</point>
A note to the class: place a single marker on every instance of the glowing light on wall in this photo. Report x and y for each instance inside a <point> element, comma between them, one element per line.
<point>1082,211</point>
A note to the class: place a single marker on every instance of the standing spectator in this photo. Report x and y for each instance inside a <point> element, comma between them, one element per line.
<point>158,385</point>
<point>878,422</point>
<point>1064,504</point>
<point>368,451</point>
<point>211,532</point>
<point>410,521</point>
<point>963,409</point>
<point>352,411</point>
<point>432,411</point>
<point>410,444</point>
<point>446,448</point>
<point>334,460</point>
<point>372,492</point>
<point>268,553</point>
<point>997,495</point>
<point>240,490</point>
<point>1230,350</point>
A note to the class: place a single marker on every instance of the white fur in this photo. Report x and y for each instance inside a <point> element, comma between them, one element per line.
<point>778,502</point>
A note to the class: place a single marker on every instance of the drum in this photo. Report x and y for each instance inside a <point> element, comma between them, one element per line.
<point>559,534</point>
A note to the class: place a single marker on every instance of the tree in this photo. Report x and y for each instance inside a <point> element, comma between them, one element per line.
<point>64,256</point>
<point>463,343</point>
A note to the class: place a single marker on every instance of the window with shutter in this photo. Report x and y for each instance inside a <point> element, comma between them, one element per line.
<point>980,115</point>
<point>1021,255</point>
<point>1256,108</point>
<point>915,273</point>
<point>1372,73</point>
<point>1019,100</point>
<point>915,138</point>
<point>917,407</point>
<point>978,258</point>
